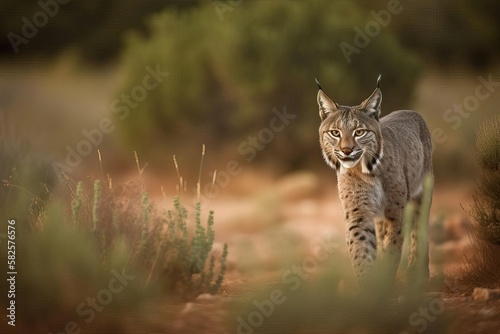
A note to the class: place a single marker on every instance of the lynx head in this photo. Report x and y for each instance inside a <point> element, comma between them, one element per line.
<point>351,135</point>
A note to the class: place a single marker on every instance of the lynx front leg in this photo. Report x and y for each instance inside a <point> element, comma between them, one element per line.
<point>362,245</point>
<point>361,202</point>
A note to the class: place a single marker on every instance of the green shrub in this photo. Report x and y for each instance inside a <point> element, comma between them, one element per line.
<point>186,259</point>
<point>60,268</point>
<point>80,246</point>
<point>226,76</point>
<point>481,267</point>
<point>486,207</point>
<point>160,241</point>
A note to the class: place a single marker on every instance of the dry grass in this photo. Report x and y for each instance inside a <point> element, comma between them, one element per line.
<point>96,227</point>
<point>481,266</point>
<point>486,207</point>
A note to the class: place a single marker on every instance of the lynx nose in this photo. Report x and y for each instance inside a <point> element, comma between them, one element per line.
<point>346,150</point>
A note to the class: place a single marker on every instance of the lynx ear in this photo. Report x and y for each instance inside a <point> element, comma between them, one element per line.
<point>371,106</point>
<point>326,105</point>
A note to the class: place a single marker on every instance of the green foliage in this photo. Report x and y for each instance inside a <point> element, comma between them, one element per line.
<point>76,203</point>
<point>226,76</point>
<point>160,242</point>
<point>481,266</point>
<point>186,258</point>
<point>486,207</point>
<point>61,268</point>
<point>96,203</point>
<point>73,253</point>
<point>145,207</point>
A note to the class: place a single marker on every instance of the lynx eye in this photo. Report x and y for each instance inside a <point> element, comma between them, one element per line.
<point>334,133</point>
<point>359,133</point>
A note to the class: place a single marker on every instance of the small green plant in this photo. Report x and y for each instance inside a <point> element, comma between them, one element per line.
<point>162,243</point>
<point>76,203</point>
<point>188,260</point>
<point>95,204</point>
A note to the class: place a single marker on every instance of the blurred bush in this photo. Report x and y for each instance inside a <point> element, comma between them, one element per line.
<point>110,244</point>
<point>26,177</point>
<point>62,271</point>
<point>90,26</point>
<point>447,32</point>
<point>228,72</point>
<point>486,207</point>
<point>315,300</point>
<point>444,30</point>
<point>173,254</point>
<point>481,267</point>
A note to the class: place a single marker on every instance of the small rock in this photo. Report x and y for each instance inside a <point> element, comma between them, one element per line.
<point>206,298</point>
<point>486,294</point>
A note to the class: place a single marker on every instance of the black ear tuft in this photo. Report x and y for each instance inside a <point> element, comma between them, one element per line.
<point>378,80</point>
<point>319,85</point>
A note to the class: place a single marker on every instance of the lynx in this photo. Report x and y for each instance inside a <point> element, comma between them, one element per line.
<point>380,165</point>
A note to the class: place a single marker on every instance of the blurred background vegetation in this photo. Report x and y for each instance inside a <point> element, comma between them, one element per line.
<point>238,72</point>
<point>230,64</point>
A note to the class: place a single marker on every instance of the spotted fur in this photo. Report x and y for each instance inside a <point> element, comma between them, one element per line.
<point>380,164</point>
